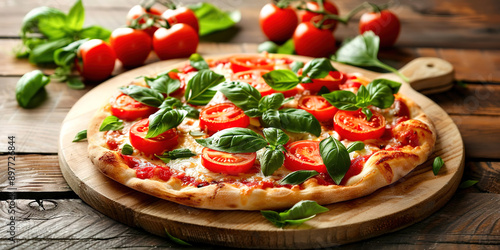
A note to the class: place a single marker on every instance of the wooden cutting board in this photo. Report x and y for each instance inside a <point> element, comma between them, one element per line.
<point>409,200</point>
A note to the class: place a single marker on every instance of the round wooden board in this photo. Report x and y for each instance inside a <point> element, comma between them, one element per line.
<point>409,200</point>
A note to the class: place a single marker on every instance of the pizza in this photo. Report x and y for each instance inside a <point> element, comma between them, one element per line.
<point>253,132</point>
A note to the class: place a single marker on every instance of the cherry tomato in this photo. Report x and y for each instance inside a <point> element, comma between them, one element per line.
<point>331,82</point>
<point>139,12</point>
<point>222,116</point>
<point>227,163</point>
<point>254,78</point>
<point>131,46</point>
<point>384,24</point>
<point>329,7</point>
<point>304,155</point>
<point>97,60</point>
<point>179,41</point>
<point>353,126</point>
<point>278,24</point>
<point>318,106</point>
<point>314,42</point>
<point>156,145</point>
<point>126,108</point>
<point>244,63</point>
<point>182,15</point>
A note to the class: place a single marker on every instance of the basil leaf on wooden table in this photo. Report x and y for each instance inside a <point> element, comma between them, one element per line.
<point>212,19</point>
<point>30,86</point>
<point>298,177</point>
<point>143,95</point>
<point>234,140</point>
<point>95,32</point>
<point>298,214</point>
<point>197,62</point>
<point>111,123</point>
<point>44,53</point>
<point>199,90</point>
<point>241,94</point>
<point>176,154</point>
<point>437,165</point>
<point>176,240</point>
<point>335,157</point>
<point>76,16</point>
<point>163,120</point>
<point>82,135</point>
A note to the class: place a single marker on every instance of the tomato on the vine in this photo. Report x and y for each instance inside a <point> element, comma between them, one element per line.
<point>312,41</point>
<point>126,108</point>
<point>131,46</point>
<point>304,155</point>
<point>384,24</point>
<point>329,8</point>
<point>139,12</point>
<point>180,40</point>
<point>227,163</point>
<point>318,106</point>
<point>278,24</point>
<point>96,60</point>
<point>221,116</point>
<point>182,15</point>
<point>150,146</point>
<point>353,126</point>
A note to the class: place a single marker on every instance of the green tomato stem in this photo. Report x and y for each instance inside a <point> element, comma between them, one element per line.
<point>391,69</point>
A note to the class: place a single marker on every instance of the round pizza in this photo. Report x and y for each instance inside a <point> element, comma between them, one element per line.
<point>253,132</point>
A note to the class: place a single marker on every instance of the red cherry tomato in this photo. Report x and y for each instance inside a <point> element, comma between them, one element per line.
<point>97,60</point>
<point>221,116</point>
<point>126,108</point>
<point>254,78</point>
<point>304,155</point>
<point>313,42</point>
<point>330,8</point>
<point>227,163</point>
<point>179,41</point>
<point>131,46</point>
<point>353,126</point>
<point>156,145</point>
<point>384,24</point>
<point>331,82</point>
<point>182,15</point>
<point>244,63</point>
<point>278,24</point>
<point>139,12</point>
<point>318,106</point>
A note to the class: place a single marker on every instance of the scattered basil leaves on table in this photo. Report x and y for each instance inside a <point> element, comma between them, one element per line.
<point>468,184</point>
<point>212,19</point>
<point>176,240</point>
<point>127,149</point>
<point>437,164</point>
<point>176,154</point>
<point>301,212</point>
<point>82,135</point>
<point>111,123</point>
<point>30,89</point>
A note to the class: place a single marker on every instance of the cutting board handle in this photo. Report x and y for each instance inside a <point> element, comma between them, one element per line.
<point>429,75</point>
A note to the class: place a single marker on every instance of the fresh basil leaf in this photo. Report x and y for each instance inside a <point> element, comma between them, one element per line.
<point>363,98</point>
<point>381,94</point>
<point>66,55</point>
<point>367,112</point>
<point>323,90</point>
<point>281,79</point>
<point>342,99</point>
<point>271,118</point>
<point>468,184</point>
<point>29,86</point>
<point>393,85</point>
<point>95,32</point>
<point>143,95</point>
<point>298,177</point>
<point>163,120</point>
<point>268,46</point>
<point>288,48</point>
<point>275,136</point>
<point>192,112</point>
<point>355,146</point>
<point>253,113</point>
<point>241,94</point>
<point>82,135</point>
<point>54,27</point>
<point>199,88</point>
<point>111,123</point>
<point>75,83</point>
<point>163,83</point>
<point>212,19</point>
<point>437,164</point>
<point>176,154</point>
<point>76,16</point>
<point>30,21</point>
<point>299,121</point>
<point>44,53</point>
<point>177,240</point>
<point>296,66</point>
<point>273,217</point>
<point>335,157</point>
<point>198,133</point>
<point>298,214</point>
<point>127,149</point>
<point>234,140</point>
<point>197,62</point>
<point>318,68</point>
<point>171,103</point>
<point>272,101</point>
<point>271,160</point>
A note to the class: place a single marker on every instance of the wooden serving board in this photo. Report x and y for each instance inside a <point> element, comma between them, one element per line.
<point>410,200</point>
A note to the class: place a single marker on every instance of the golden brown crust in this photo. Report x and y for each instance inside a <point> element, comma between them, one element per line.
<point>383,168</point>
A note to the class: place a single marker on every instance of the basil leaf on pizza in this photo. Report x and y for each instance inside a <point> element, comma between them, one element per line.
<point>197,62</point>
<point>299,121</point>
<point>143,95</point>
<point>296,65</point>
<point>127,149</point>
<point>318,68</point>
<point>200,88</point>
<point>163,120</point>
<point>275,137</point>
<point>174,103</point>
<point>281,79</point>
<point>241,94</point>
<point>163,83</point>
<point>271,118</point>
<point>335,157</point>
<point>355,146</point>
<point>301,212</point>
<point>298,177</point>
<point>254,113</point>
<point>234,140</point>
<point>175,154</point>
<point>272,101</point>
<point>111,123</point>
<point>271,160</point>
<point>342,99</point>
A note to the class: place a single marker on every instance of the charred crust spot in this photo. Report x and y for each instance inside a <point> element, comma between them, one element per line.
<point>108,158</point>
<point>384,166</point>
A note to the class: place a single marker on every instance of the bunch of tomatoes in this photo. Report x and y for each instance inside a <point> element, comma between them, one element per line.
<point>311,24</point>
<point>172,33</point>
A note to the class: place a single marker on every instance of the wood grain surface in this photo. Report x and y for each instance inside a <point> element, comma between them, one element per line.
<point>384,211</point>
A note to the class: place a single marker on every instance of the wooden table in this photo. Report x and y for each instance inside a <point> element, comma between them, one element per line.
<point>49,214</point>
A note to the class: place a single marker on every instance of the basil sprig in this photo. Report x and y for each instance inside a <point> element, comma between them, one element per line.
<point>437,165</point>
<point>111,123</point>
<point>82,135</point>
<point>174,103</point>
<point>201,87</point>
<point>197,62</point>
<point>143,95</point>
<point>284,79</point>
<point>163,83</point>
<point>176,154</point>
<point>241,94</point>
<point>163,120</point>
<point>298,214</point>
<point>379,93</point>
<point>362,51</point>
<point>30,89</point>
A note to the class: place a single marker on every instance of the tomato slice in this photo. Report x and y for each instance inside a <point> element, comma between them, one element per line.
<point>126,108</point>
<point>318,106</point>
<point>227,163</point>
<point>254,78</point>
<point>352,125</point>
<point>155,145</point>
<point>331,82</point>
<point>304,155</point>
<point>355,168</point>
<point>221,116</point>
<point>244,63</point>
